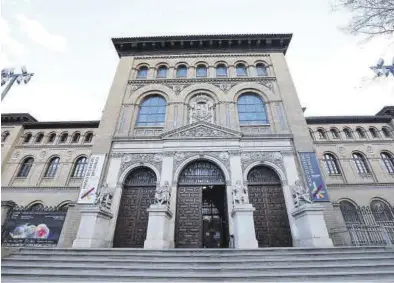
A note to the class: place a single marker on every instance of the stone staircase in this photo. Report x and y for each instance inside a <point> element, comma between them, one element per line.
<point>369,264</point>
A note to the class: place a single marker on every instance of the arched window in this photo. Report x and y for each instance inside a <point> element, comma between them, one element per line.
<point>162,72</point>
<point>221,70</point>
<point>374,133</point>
<point>25,167</point>
<point>241,70</point>
<point>52,167</point>
<point>181,71</point>
<point>80,166</point>
<point>388,160</point>
<point>361,163</point>
<point>322,134</point>
<point>63,138</point>
<point>261,70</point>
<point>152,112</point>
<point>27,138</point>
<point>334,133</point>
<point>350,213</point>
<point>88,137</point>
<point>361,133</point>
<point>331,164</point>
<point>4,136</point>
<point>64,206</point>
<point>311,134</point>
<point>76,137</point>
<point>201,71</point>
<point>36,207</point>
<point>251,110</point>
<point>386,132</point>
<point>382,212</point>
<point>39,137</point>
<point>51,137</point>
<point>348,133</point>
<point>142,72</point>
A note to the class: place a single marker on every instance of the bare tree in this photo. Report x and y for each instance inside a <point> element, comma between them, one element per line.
<point>370,17</point>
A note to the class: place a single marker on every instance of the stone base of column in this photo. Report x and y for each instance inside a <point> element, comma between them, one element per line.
<point>312,226</point>
<point>93,228</point>
<point>244,233</point>
<point>157,235</point>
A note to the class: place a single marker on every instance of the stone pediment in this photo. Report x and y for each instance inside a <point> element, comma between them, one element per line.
<point>200,130</point>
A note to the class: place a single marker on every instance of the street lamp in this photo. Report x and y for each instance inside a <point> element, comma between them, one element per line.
<point>383,70</point>
<point>9,75</point>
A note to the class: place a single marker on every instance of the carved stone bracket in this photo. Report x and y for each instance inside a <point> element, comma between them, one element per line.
<point>154,159</point>
<point>248,158</point>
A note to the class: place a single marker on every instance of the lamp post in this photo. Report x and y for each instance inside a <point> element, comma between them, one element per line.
<point>8,75</point>
<point>383,70</point>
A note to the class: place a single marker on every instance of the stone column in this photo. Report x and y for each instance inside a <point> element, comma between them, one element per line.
<point>312,226</point>
<point>6,206</point>
<point>93,228</point>
<point>157,235</point>
<point>244,233</point>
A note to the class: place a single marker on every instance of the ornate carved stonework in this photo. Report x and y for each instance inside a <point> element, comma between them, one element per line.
<point>154,159</point>
<point>179,157</point>
<point>134,87</point>
<point>43,154</point>
<point>16,155</point>
<point>256,130</point>
<point>201,108</point>
<point>178,88</point>
<point>342,150</point>
<point>163,194</point>
<point>300,194</point>
<point>201,130</point>
<point>224,86</point>
<point>240,194</point>
<point>248,158</point>
<point>147,132</point>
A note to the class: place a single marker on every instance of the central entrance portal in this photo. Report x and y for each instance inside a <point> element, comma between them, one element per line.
<point>201,215</point>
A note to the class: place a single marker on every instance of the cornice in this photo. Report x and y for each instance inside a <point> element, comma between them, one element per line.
<point>361,186</point>
<point>201,80</point>
<point>39,188</point>
<point>202,56</point>
<point>55,146</point>
<point>331,142</point>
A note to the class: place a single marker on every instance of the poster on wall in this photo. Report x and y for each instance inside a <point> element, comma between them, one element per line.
<point>314,180</point>
<point>33,228</point>
<point>91,180</point>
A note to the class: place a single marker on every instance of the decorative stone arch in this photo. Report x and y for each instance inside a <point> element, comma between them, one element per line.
<point>188,92</point>
<point>276,168</point>
<point>239,89</point>
<point>130,168</point>
<point>242,62</point>
<point>348,200</point>
<point>181,63</point>
<point>162,63</point>
<point>221,62</point>
<point>141,93</point>
<point>63,204</point>
<point>198,63</point>
<point>379,199</point>
<point>33,203</point>
<point>143,64</point>
<point>197,157</point>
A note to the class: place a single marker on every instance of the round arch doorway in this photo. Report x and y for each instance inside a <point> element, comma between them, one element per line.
<point>201,210</point>
<point>270,217</point>
<point>132,223</point>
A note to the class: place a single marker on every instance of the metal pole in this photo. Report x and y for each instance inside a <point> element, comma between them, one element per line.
<point>7,88</point>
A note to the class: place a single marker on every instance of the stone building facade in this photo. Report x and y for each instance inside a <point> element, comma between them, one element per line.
<point>200,144</point>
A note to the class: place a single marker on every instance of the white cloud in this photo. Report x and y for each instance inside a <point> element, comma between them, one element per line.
<point>38,33</point>
<point>9,45</point>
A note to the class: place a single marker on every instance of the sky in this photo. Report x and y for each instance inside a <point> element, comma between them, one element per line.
<point>67,45</point>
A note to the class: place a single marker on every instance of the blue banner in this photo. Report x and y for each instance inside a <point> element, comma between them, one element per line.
<point>314,180</point>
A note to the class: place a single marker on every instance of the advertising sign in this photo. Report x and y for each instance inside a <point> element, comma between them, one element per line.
<point>33,228</point>
<point>314,180</point>
<point>91,180</point>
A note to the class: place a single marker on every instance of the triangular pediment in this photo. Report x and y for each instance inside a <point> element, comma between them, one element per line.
<point>201,130</point>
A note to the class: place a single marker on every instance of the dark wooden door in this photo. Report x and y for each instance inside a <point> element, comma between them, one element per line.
<point>270,217</point>
<point>189,217</point>
<point>137,196</point>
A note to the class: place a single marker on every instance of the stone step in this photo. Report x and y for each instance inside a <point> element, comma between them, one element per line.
<point>99,261</point>
<point>323,275</point>
<point>212,266</point>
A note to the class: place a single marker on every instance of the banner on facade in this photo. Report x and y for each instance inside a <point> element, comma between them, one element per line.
<point>91,180</point>
<point>33,228</point>
<point>314,180</point>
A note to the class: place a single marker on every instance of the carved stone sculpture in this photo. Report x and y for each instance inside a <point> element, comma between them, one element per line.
<point>201,108</point>
<point>240,194</point>
<point>163,194</point>
<point>104,197</point>
<point>300,194</point>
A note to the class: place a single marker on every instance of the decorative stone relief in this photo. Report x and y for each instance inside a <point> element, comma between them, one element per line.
<point>135,87</point>
<point>163,194</point>
<point>69,154</point>
<point>342,150</point>
<point>300,194</point>
<point>147,132</point>
<point>154,159</point>
<point>104,197</point>
<point>240,194</point>
<point>202,131</point>
<point>16,155</point>
<point>178,88</point>
<point>248,158</point>
<point>224,155</point>
<point>268,84</point>
<point>370,150</point>
<point>256,130</point>
<point>43,154</point>
<point>201,108</point>
<point>179,157</point>
<point>225,87</point>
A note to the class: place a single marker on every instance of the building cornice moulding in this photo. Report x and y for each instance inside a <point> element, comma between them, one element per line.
<point>192,56</point>
<point>201,80</point>
<point>361,186</point>
<point>39,188</point>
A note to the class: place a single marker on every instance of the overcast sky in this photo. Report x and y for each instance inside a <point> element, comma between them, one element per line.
<point>67,44</point>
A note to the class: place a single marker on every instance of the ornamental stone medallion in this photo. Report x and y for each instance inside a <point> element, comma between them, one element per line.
<point>16,155</point>
<point>43,154</point>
